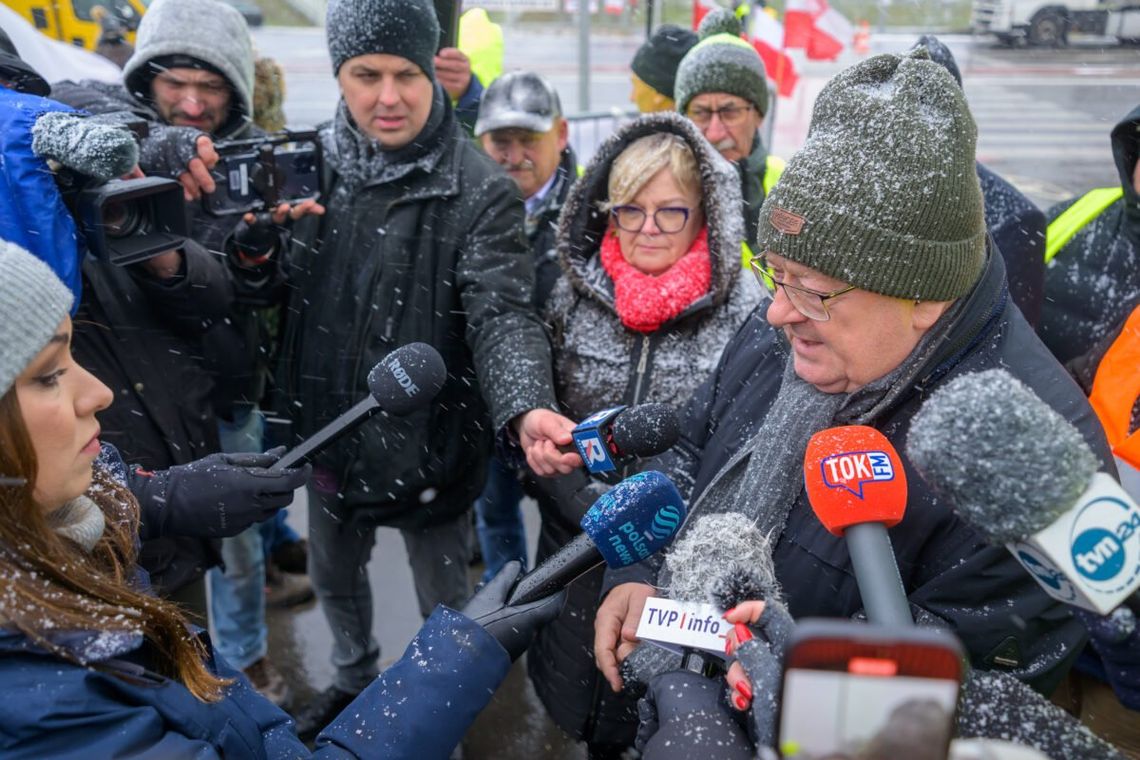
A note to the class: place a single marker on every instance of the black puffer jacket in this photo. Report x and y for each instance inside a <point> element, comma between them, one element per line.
<point>600,363</point>
<point>1094,281</point>
<point>143,338</point>
<point>1001,615</point>
<point>436,256</point>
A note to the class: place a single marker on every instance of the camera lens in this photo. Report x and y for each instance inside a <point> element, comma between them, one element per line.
<point>122,219</point>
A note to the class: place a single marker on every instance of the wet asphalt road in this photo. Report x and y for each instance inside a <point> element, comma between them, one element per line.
<point>1043,117</point>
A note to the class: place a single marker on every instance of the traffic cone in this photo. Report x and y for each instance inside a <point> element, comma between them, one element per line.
<point>862,42</point>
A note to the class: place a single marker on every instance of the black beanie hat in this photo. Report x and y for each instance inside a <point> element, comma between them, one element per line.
<point>407,28</point>
<point>656,61</point>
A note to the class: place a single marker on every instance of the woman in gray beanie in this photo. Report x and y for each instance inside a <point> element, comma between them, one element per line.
<point>94,665</point>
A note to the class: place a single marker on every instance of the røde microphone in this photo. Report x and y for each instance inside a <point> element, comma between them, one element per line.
<point>402,382</point>
<point>620,433</point>
<point>857,488</point>
<point>1023,476</point>
<point>633,520</point>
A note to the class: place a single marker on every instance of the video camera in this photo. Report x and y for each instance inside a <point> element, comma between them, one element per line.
<point>260,173</point>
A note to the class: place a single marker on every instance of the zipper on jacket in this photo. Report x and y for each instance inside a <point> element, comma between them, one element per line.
<point>641,372</point>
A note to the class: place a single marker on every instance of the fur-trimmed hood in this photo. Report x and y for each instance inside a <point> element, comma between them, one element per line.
<point>583,223</point>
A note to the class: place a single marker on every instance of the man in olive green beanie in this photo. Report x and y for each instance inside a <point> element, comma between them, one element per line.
<point>883,195</point>
<point>723,89</point>
<point>884,290</point>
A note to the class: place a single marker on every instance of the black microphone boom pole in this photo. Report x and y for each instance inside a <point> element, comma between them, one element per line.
<point>403,381</point>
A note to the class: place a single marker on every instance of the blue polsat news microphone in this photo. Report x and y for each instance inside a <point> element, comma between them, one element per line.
<point>1023,476</point>
<point>632,521</point>
<point>405,380</point>
<point>612,436</point>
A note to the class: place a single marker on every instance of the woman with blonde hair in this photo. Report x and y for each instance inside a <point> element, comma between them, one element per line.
<point>649,241</point>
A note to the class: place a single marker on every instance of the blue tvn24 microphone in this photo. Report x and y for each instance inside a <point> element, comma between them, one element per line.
<point>632,521</point>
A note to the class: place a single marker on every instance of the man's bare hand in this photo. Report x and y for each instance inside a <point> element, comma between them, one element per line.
<point>285,211</point>
<point>453,71</point>
<point>196,179</point>
<point>541,432</point>
<point>615,628</point>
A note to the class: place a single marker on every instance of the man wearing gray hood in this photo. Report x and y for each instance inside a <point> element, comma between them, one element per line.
<point>191,79</point>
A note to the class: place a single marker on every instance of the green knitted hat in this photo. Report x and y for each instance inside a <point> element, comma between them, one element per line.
<point>33,301</point>
<point>721,62</point>
<point>884,194</point>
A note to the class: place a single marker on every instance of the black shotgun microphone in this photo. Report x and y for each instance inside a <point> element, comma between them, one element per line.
<point>402,382</point>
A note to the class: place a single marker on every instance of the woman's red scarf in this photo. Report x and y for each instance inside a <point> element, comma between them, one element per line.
<point>644,302</point>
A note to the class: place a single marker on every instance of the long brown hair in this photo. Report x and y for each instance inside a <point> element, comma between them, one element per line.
<point>50,584</point>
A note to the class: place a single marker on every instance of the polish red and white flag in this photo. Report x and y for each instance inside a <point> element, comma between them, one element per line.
<point>820,30</point>
<point>767,36</point>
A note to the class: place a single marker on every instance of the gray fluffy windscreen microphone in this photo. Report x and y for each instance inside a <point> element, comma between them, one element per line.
<point>721,558</point>
<point>1009,463</point>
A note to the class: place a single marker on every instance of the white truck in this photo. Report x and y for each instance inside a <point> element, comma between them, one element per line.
<point>1049,23</point>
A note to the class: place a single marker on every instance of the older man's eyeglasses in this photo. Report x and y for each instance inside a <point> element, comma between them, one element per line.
<point>811,303</point>
<point>668,219</point>
<point>729,115</point>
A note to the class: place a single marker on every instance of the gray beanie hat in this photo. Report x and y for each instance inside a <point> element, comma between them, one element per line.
<point>407,28</point>
<point>884,194</point>
<point>209,31</point>
<point>33,301</point>
<point>721,62</point>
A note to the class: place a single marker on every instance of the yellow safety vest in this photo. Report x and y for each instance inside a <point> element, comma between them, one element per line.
<point>481,40</point>
<point>1088,207</point>
<point>773,168</point>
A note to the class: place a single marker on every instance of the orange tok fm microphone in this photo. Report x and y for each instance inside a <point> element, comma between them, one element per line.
<point>857,488</point>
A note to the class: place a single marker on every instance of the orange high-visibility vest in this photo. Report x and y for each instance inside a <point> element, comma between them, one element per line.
<point>1116,388</point>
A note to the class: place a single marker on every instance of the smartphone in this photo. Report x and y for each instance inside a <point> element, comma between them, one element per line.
<point>855,690</point>
<point>448,12</point>
<point>261,173</point>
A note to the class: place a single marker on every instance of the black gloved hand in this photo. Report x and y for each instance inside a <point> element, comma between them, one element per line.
<point>216,496</point>
<point>512,627</point>
<point>254,243</point>
<point>762,658</point>
<point>683,716</point>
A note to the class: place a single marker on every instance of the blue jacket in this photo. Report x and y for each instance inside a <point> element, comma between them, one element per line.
<point>420,707</point>
<point>32,211</point>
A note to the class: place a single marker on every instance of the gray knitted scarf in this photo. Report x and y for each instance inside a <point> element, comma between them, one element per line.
<point>359,160</point>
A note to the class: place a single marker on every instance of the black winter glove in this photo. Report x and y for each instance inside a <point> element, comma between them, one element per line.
<point>762,658</point>
<point>97,150</point>
<point>253,244</point>
<point>216,496</point>
<point>683,716</point>
<point>167,150</point>
<point>512,627</point>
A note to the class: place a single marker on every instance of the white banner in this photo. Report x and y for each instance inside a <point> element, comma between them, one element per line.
<point>683,624</point>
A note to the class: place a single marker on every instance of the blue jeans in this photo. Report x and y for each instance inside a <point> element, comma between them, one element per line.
<point>275,532</point>
<point>498,519</point>
<point>237,596</point>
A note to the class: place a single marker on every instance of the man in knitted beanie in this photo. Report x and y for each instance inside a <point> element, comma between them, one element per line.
<point>873,250</point>
<point>422,240</point>
<point>722,87</point>
<point>654,68</point>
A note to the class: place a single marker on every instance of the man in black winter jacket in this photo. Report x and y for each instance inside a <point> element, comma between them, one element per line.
<point>422,240</point>
<point>877,300</point>
<point>1092,280</point>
